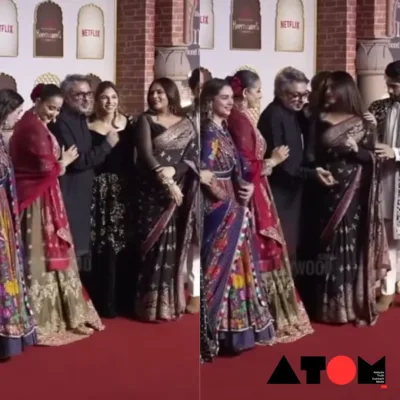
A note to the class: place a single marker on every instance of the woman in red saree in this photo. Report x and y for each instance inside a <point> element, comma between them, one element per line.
<point>291,319</point>
<point>62,310</point>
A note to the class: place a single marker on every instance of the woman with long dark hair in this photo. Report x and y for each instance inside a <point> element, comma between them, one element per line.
<point>352,244</point>
<point>62,309</point>
<point>166,207</point>
<point>290,318</point>
<point>111,205</point>
<point>237,316</point>
<point>17,326</point>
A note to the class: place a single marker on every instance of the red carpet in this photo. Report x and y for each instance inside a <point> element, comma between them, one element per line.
<point>246,376</point>
<point>134,361</point>
<point>128,361</point>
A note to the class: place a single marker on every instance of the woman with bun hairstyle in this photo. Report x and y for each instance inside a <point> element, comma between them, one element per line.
<point>291,319</point>
<point>61,307</point>
<point>17,327</point>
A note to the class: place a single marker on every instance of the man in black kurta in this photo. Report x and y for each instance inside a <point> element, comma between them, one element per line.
<point>280,126</point>
<point>76,184</point>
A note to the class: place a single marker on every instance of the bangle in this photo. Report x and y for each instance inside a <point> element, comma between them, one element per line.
<point>269,163</point>
<point>167,182</point>
<point>157,168</point>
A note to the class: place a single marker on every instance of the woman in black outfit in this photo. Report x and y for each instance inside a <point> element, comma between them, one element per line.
<point>111,206</point>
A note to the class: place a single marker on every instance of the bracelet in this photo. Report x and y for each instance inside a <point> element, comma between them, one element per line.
<point>157,168</point>
<point>167,182</point>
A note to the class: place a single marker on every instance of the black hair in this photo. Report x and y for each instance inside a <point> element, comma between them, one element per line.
<point>194,78</point>
<point>10,100</point>
<point>211,89</point>
<point>103,86</point>
<point>347,96</point>
<point>172,93</point>
<point>392,71</point>
<point>246,77</point>
<point>319,79</point>
<point>44,92</point>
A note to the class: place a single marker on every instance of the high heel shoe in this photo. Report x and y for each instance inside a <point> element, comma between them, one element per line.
<point>384,303</point>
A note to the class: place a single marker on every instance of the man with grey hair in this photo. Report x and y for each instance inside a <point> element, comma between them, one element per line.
<point>280,126</point>
<point>70,129</point>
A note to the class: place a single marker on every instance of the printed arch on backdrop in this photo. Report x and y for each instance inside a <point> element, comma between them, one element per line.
<point>255,112</point>
<point>48,30</point>
<point>8,29</point>
<point>245,29</point>
<point>94,81</point>
<point>206,34</point>
<point>289,26</point>
<point>7,82</point>
<point>48,78</point>
<point>90,33</point>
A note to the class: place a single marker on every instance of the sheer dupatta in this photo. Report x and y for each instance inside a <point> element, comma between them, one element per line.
<point>35,153</point>
<point>177,146</point>
<point>252,148</point>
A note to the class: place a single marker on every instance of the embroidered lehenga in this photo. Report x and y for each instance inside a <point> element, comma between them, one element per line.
<point>63,312</point>
<point>237,311</point>
<point>17,327</point>
<point>353,245</point>
<point>165,231</point>
<point>290,318</point>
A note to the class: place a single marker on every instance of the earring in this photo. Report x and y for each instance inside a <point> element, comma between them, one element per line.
<point>209,110</point>
<point>172,110</point>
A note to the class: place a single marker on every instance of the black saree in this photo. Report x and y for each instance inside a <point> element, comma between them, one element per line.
<point>165,231</point>
<point>353,247</point>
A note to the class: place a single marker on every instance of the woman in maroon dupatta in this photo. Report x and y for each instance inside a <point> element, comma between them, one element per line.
<point>291,319</point>
<point>61,307</point>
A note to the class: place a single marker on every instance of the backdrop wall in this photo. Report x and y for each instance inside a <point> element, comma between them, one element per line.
<point>45,41</point>
<point>291,30</point>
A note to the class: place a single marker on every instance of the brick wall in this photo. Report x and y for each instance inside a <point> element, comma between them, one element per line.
<point>135,52</point>
<point>336,42</point>
<point>340,24</point>
<point>143,25</point>
<point>371,18</point>
<point>169,22</point>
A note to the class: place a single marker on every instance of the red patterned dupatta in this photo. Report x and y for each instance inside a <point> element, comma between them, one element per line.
<point>251,147</point>
<point>34,153</point>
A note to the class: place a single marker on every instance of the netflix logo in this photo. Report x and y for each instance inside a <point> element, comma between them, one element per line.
<point>91,33</point>
<point>290,24</point>
<point>7,28</point>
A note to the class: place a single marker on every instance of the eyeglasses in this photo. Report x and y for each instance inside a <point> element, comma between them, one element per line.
<point>298,96</point>
<point>83,95</point>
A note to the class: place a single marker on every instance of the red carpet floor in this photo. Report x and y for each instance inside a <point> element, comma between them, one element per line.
<point>128,361</point>
<point>246,376</point>
<point>134,361</point>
